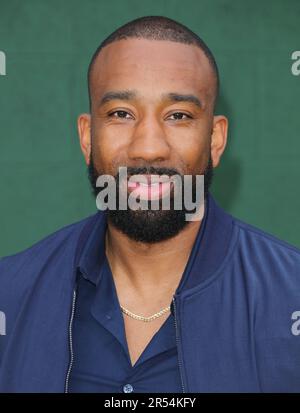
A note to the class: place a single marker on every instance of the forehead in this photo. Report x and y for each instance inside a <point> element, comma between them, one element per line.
<point>152,67</point>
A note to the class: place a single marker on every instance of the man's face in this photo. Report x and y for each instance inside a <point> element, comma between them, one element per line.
<point>152,107</point>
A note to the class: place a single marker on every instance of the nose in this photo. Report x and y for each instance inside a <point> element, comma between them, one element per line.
<point>149,141</point>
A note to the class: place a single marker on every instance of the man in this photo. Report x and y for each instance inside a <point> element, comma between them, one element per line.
<point>140,300</point>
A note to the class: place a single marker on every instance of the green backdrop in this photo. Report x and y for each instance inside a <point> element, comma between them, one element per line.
<point>48,44</point>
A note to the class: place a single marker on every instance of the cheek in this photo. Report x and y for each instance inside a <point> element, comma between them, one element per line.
<point>194,154</point>
<point>108,150</point>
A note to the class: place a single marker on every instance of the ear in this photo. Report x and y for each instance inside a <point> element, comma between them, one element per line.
<point>84,131</point>
<point>218,138</point>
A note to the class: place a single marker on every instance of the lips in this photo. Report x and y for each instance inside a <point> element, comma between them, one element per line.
<point>149,186</point>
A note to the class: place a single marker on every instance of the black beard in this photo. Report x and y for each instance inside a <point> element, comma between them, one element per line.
<point>150,226</point>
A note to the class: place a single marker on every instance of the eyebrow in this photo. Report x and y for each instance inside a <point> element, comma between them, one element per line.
<point>127,95</point>
<point>176,97</point>
<point>118,95</point>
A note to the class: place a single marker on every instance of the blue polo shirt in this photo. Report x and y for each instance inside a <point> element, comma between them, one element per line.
<point>101,357</point>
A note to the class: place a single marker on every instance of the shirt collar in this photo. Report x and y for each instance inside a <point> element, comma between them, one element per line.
<point>210,247</point>
<point>93,254</point>
<point>208,252</point>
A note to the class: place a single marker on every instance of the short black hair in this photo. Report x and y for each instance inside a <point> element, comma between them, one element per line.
<point>157,28</point>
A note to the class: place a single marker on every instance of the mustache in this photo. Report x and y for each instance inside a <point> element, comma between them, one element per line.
<point>151,170</point>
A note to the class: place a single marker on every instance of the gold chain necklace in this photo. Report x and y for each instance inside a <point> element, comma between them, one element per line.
<point>145,319</point>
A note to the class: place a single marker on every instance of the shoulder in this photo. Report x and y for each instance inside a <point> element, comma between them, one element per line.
<point>61,243</point>
<point>269,265</point>
<point>270,268</point>
<point>263,245</point>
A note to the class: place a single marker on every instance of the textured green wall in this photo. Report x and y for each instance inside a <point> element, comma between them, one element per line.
<point>48,44</point>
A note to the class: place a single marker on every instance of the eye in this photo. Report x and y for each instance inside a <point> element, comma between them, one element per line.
<point>119,114</point>
<point>180,116</point>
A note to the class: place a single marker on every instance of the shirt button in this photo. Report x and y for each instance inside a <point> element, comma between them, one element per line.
<point>127,388</point>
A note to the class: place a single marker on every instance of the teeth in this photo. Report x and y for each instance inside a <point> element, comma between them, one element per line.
<point>155,184</point>
<point>153,181</point>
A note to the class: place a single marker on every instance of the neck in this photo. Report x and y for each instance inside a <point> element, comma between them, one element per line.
<point>148,268</point>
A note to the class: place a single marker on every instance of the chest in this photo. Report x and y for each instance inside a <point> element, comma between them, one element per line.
<point>139,334</point>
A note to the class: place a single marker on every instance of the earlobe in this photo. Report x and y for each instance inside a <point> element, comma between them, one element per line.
<point>84,132</point>
<point>218,138</point>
